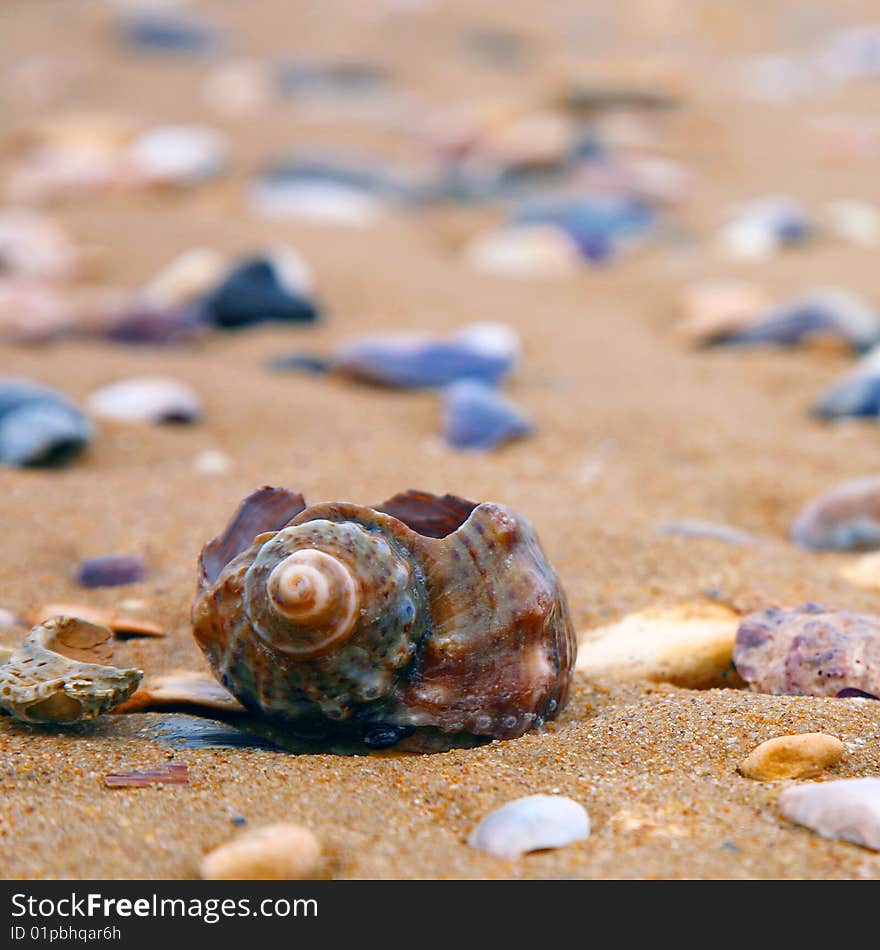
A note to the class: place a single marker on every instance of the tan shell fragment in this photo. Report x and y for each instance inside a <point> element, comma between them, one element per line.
<point>40,684</point>
<point>129,617</point>
<point>690,645</point>
<point>280,852</point>
<point>182,688</point>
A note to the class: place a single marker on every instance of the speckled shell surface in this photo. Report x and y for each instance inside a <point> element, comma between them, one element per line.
<point>38,683</point>
<point>460,624</point>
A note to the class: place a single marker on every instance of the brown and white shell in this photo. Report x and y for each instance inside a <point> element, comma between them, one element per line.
<point>50,678</point>
<point>421,612</point>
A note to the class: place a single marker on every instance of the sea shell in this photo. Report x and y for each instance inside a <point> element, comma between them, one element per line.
<point>532,823</point>
<point>422,612</point>
<point>857,395</point>
<point>130,617</point>
<point>810,650</point>
<point>844,518</point>
<point>477,416</point>
<point>39,426</point>
<point>39,683</point>
<point>485,351</point>
<point>146,399</point>
<point>821,316</point>
<point>270,287</point>
<point>848,809</point>
<point>718,309</point>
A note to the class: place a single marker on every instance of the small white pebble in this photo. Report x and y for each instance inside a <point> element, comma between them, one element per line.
<point>530,824</point>
<point>212,462</point>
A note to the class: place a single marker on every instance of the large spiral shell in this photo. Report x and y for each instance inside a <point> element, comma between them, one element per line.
<point>421,612</point>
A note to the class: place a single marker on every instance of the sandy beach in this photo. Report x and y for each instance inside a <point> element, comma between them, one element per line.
<point>633,428</point>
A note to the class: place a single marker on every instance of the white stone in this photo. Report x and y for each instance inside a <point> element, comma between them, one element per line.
<point>848,809</point>
<point>329,202</point>
<point>530,824</point>
<point>178,154</point>
<point>855,221</point>
<point>524,251</point>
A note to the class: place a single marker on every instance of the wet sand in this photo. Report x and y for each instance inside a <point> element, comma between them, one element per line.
<point>633,429</point>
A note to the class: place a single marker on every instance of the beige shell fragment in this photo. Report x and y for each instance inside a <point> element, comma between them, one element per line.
<point>39,684</point>
<point>129,617</point>
<point>182,688</point>
<point>863,571</point>
<point>690,645</point>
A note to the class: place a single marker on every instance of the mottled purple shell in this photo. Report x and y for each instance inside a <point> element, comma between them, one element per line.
<point>420,612</point>
<point>809,651</point>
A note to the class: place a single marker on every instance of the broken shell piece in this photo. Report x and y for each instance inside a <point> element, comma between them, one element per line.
<point>690,645</point>
<point>173,773</point>
<point>532,823</point>
<point>864,571</point>
<point>856,395</point>
<point>844,518</point>
<point>182,688</point>
<point>39,426</point>
<point>189,276</point>
<point>764,226</point>
<point>34,246</point>
<point>717,309</point>
<point>31,312</point>
<point>39,684</point>
<point>527,251</point>
<point>848,808</point>
<point>485,351</point>
<point>855,221</point>
<point>477,417</point>
<point>127,618</point>
<point>179,155</point>
<point>809,650</point>
<point>146,399</point>
<point>826,317</point>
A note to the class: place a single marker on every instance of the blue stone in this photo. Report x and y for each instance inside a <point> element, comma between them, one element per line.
<point>479,417</point>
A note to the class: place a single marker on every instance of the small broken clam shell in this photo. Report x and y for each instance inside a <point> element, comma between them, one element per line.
<point>146,399</point>
<point>39,426</point>
<point>39,684</point>
<point>129,617</point>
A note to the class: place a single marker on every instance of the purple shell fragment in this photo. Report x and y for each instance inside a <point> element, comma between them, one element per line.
<point>809,650</point>
<point>111,570</point>
<point>851,693</point>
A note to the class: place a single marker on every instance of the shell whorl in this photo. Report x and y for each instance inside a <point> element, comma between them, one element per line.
<point>320,595</point>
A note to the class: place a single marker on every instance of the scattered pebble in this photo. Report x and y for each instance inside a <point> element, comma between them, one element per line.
<point>187,278</point>
<point>808,651</point>
<point>690,645</point>
<point>716,310</point>
<point>32,312</point>
<point>34,246</point>
<point>792,757</point>
<point>847,809</point>
<point>281,852</point>
<point>181,155</point>
<point>111,570</point>
<point>844,518</point>
<point>169,33</point>
<point>146,399</point>
<point>478,417</point>
<point>532,823</point>
<point>864,571</point>
<point>212,462</point>
<point>855,221</point>
<point>481,351</point>
<point>174,773</point>
<point>39,426</point>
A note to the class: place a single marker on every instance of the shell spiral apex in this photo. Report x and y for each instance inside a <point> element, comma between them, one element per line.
<point>424,613</point>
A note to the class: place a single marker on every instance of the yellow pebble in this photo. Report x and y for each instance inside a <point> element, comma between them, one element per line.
<point>798,756</point>
<point>282,852</point>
